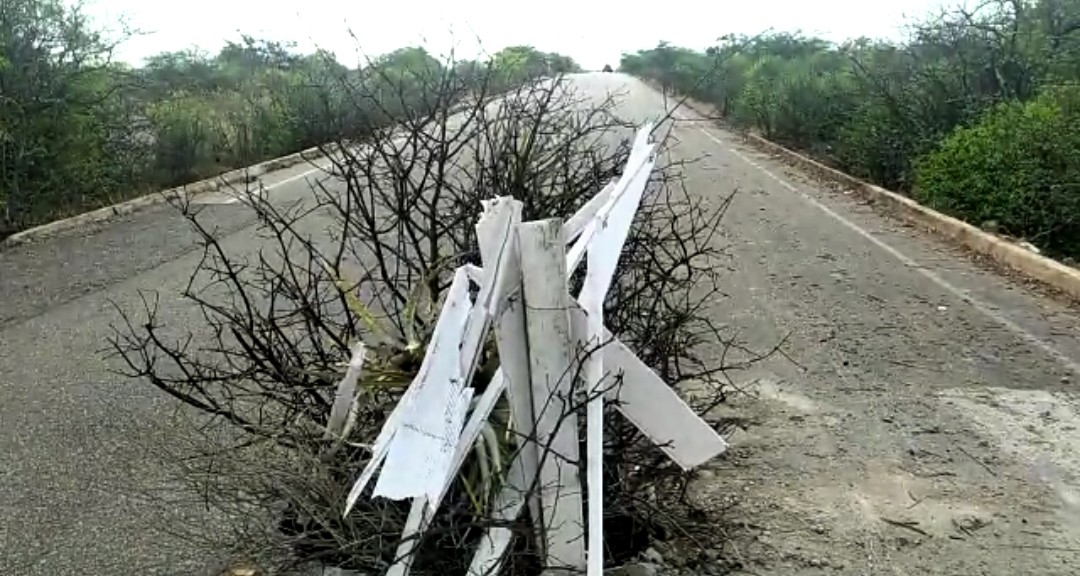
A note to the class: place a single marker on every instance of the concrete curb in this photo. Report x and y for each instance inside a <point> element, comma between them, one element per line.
<point>1026,262</point>
<point>238,176</point>
<point>1035,266</point>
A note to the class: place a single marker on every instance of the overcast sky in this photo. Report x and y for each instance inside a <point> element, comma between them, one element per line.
<point>593,32</point>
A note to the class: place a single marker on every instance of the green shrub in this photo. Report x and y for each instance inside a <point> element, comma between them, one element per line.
<point>1018,166</point>
<point>876,145</point>
<point>187,140</point>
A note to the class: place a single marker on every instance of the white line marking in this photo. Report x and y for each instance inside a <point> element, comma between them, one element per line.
<point>296,177</point>
<point>907,261</point>
<point>395,141</point>
<point>269,187</point>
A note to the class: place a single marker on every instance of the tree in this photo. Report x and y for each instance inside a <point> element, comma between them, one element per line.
<point>1016,166</point>
<point>520,63</point>
<point>879,109</point>
<point>62,117</point>
<point>78,131</point>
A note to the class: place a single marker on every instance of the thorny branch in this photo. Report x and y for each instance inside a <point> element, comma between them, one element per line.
<point>367,257</point>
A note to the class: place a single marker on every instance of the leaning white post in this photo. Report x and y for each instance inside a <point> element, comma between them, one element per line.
<point>547,300</point>
<point>495,232</point>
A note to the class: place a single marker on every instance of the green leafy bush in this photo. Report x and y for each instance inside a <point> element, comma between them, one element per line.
<point>876,145</point>
<point>79,130</point>
<point>187,136</point>
<point>875,108</point>
<point>1018,166</point>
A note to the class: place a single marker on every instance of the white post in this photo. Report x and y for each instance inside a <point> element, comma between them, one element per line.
<point>547,301</point>
<point>594,434</point>
<point>510,338</point>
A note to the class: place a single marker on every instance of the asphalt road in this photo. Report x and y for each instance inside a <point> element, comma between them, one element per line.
<point>856,294</point>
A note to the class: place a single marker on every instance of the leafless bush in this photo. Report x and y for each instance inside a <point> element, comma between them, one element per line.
<point>367,258</point>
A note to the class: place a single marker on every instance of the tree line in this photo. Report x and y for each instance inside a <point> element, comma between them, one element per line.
<point>975,113</point>
<point>79,129</point>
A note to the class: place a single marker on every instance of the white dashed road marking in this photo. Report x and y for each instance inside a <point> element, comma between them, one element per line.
<point>233,199</point>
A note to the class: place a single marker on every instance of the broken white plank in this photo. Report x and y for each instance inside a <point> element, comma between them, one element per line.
<point>612,226</point>
<point>420,452</point>
<point>543,257</point>
<point>497,239</point>
<point>450,319</point>
<point>641,166</point>
<point>423,508</point>
<point>576,223</point>
<point>653,406</point>
<point>494,230</point>
<point>455,324</point>
<point>641,139</point>
<point>410,539</point>
<point>471,432</point>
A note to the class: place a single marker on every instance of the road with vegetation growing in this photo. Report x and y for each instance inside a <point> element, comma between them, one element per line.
<point>918,386</point>
<point>918,417</point>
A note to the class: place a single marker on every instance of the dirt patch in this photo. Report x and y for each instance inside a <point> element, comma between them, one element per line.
<point>1041,431</point>
<point>989,486</point>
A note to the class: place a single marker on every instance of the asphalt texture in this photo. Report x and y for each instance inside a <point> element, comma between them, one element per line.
<point>852,292</point>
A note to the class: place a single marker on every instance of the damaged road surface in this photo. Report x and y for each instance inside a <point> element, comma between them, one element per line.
<point>920,416</point>
<point>923,415</point>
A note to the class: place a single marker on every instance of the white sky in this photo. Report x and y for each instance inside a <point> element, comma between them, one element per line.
<point>593,32</point>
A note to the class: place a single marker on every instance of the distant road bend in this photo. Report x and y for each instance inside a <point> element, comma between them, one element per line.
<point>904,348</point>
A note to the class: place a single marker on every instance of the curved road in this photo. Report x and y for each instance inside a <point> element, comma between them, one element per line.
<point>906,356</point>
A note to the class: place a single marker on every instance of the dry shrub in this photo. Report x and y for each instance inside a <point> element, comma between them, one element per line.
<point>367,257</point>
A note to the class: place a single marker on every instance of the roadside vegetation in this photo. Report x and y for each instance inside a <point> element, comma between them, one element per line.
<point>975,113</point>
<point>79,130</point>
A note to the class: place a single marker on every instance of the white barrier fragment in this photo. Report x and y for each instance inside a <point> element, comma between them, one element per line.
<point>416,428</point>
<point>551,374</point>
<point>423,444</point>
